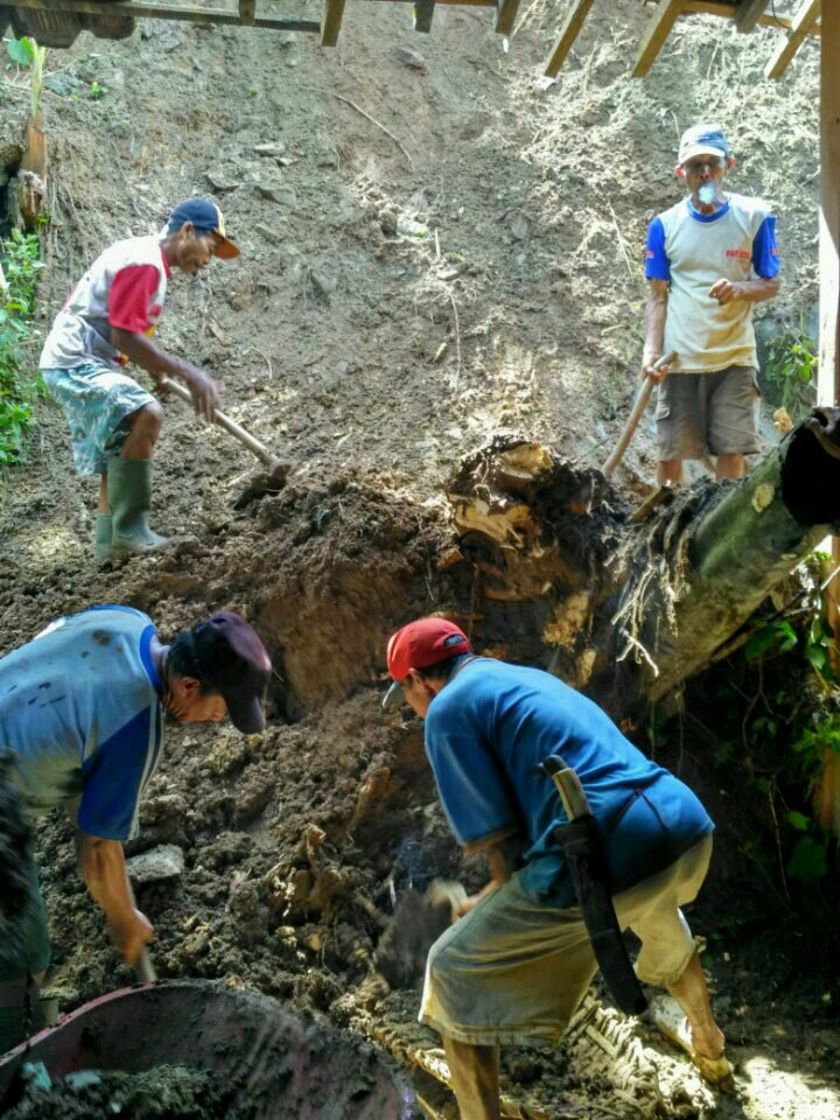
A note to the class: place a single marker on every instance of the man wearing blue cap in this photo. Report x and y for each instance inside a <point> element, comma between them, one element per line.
<point>709,258</point>
<point>82,713</point>
<point>107,322</point>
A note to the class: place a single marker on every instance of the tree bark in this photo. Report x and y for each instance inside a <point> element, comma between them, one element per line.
<point>628,609</point>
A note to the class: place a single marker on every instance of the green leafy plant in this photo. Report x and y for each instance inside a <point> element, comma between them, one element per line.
<point>96,91</point>
<point>20,255</point>
<point>792,371</point>
<point>26,53</point>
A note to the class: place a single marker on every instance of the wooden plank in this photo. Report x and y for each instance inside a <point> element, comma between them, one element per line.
<point>827,791</point>
<point>719,8</point>
<point>160,11</point>
<point>748,12</point>
<point>803,21</point>
<point>828,386</point>
<point>424,11</point>
<point>659,28</point>
<point>568,33</point>
<point>331,25</point>
<point>506,12</point>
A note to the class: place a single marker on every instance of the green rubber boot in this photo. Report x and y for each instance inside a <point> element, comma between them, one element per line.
<point>102,537</point>
<point>130,498</point>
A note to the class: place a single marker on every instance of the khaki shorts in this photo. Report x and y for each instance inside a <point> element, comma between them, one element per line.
<point>714,412</point>
<point>513,970</point>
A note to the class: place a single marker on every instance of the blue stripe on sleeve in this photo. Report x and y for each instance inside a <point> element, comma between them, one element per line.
<point>765,252</point>
<point>114,778</point>
<point>657,265</point>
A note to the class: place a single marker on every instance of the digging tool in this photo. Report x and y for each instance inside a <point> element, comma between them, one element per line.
<point>636,415</point>
<point>269,483</point>
<point>144,970</point>
<point>584,850</point>
<point>224,421</point>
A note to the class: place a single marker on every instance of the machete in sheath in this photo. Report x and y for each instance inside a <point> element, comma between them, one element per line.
<point>584,850</point>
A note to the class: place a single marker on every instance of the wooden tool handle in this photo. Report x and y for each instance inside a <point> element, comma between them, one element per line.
<point>224,421</point>
<point>636,415</point>
<point>144,970</point>
<point>568,786</point>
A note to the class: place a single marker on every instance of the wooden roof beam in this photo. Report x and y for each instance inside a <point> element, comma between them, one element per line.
<point>748,13</point>
<point>331,23</point>
<point>424,10</point>
<point>803,22</point>
<point>659,28</point>
<point>506,12</point>
<point>226,16</point>
<point>568,33</point>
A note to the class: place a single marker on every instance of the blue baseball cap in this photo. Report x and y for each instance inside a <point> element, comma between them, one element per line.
<point>206,217</point>
<point>703,140</point>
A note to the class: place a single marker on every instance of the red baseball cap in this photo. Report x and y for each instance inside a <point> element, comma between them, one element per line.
<point>421,644</point>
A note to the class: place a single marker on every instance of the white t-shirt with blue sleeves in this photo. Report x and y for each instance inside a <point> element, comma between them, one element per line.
<point>81,715</point>
<point>691,251</point>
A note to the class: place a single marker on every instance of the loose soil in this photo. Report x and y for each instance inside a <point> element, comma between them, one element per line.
<point>389,313</point>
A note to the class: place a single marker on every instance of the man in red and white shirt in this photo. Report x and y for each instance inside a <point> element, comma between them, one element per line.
<point>108,321</point>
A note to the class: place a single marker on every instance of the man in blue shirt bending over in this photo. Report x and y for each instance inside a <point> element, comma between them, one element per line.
<point>82,708</point>
<point>517,963</point>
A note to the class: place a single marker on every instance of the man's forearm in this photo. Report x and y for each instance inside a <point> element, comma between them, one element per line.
<point>102,864</point>
<point>656,309</point>
<point>149,356</point>
<point>754,291</point>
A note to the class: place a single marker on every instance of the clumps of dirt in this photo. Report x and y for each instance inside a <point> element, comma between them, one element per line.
<point>162,1093</point>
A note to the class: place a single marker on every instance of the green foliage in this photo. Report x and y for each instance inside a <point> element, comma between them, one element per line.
<point>768,716</point>
<point>96,91</point>
<point>20,259</point>
<point>792,371</point>
<point>27,54</point>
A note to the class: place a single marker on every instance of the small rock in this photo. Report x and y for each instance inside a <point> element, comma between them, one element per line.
<point>408,57</point>
<point>275,148</point>
<point>519,227</point>
<point>323,283</point>
<point>275,191</point>
<point>408,227</point>
<point>220,181</point>
<point>165,862</point>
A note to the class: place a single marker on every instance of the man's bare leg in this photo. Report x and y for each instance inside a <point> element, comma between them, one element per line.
<point>103,506</point>
<point>475,1079</point>
<point>730,465</point>
<point>145,423</point>
<point>692,994</point>
<point>669,470</point>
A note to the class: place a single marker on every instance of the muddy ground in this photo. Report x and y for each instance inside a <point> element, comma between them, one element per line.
<point>391,309</point>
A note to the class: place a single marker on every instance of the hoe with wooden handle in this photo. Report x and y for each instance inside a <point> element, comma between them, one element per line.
<point>636,415</point>
<point>224,421</point>
<point>276,473</point>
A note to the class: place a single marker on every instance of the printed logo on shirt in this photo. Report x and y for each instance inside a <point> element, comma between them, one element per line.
<point>741,254</point>
<point>648,254</point>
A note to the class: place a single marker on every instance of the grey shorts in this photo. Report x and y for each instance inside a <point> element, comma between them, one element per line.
<point>716,413</point>
<point>513,970</point>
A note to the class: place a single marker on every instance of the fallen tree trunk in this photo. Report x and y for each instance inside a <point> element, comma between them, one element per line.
<point>629,609</point>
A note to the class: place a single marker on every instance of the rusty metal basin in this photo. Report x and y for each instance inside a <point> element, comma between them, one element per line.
<point>276,1064</point>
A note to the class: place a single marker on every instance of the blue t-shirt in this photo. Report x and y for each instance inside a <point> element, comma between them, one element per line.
<point>81,714</point>
<point>486,734</point>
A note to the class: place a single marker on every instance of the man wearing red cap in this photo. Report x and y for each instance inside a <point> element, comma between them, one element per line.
<point>108,321</point>
<point>516,964</point>
<point>82,710</point>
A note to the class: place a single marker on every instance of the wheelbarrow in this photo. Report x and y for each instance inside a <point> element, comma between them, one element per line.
<point>271,1063</point>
